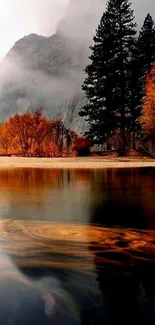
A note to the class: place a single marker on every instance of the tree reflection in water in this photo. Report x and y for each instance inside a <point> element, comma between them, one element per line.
<point>129,291</point>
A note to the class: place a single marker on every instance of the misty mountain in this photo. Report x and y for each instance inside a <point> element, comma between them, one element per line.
<point>41,72</point>
<point>48,71</point>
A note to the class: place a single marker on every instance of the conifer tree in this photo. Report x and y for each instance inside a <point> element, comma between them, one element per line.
<point>143,57</point>
<point>107,83</point>
<point>146,45</point>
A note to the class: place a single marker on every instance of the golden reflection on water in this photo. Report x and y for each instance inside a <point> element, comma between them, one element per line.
<point>40,194</point>
<point>46,244</point>
<point>68,245</point>
<point>48,178</point>
<point>140,178</point>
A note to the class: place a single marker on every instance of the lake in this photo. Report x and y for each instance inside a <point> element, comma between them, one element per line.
<point>77,246</point>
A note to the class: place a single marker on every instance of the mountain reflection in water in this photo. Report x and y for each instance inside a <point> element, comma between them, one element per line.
<point>94,265</point>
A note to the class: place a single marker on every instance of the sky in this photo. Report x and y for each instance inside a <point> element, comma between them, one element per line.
<point>22,17</point>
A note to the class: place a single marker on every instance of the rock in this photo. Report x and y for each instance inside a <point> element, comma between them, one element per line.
<point>48,71</point>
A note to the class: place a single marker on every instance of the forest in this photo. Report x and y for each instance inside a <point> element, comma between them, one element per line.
<point>120,82</point>
<point>119,93</point>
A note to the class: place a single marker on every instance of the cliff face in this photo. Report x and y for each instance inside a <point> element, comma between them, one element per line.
<point>48,71</point>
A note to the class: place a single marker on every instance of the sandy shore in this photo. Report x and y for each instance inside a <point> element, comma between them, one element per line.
<point>78,163</point>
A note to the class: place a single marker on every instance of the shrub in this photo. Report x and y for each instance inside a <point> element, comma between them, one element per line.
<point>82,147</point>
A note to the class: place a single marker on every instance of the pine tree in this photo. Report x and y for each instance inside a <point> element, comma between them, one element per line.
<point>107,83</point>
<point>146,45</point>
<point>143,57</point>
<point>99,84</point>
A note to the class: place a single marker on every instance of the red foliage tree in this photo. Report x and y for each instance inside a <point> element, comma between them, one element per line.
<point>82,146</point>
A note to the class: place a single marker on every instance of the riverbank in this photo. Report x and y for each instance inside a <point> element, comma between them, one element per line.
<point>75,163</point>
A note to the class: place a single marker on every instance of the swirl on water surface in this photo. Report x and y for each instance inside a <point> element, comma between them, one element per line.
<point>59,271</point>
<point>73,245</point>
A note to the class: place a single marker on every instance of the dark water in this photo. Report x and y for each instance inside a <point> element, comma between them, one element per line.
<point>77,247</point>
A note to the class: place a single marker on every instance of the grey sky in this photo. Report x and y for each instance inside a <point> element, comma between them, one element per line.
<point>22,17</point>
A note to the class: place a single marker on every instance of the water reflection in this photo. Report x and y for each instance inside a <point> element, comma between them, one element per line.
<point>77,247</point>
<point>125,271</point>
<point>82,275</point>
<point>37,194</point>
<point>41,194</point>
<point>127,202</point>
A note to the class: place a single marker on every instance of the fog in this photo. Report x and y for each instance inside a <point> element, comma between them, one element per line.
<point>22,17</point>
<point>83,16</point>
<point>19,18</point>
<point>57,90</point>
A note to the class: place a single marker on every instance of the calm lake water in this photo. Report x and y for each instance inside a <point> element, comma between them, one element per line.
<point>77,247</point>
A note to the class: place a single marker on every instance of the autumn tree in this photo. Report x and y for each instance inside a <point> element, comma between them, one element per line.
<point>5,140</point>
<point>147,118</point>
<point>32,134</point>
<point>40,131</point>
<point>18,131</point>
<point>26,132</point>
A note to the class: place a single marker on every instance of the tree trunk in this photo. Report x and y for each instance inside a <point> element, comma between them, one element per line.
<point>153,148</point>
<point>122,85</point>
<point>133,141</point>
<point>123,146</point>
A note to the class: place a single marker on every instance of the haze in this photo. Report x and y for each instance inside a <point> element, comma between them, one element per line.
<point>19,18</point>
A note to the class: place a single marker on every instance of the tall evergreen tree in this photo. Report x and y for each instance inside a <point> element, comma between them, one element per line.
<point>107,83</point>
<point>142,60</point>
<point>146,45</point>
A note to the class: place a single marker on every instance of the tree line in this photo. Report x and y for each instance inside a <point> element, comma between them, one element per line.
<point>32,134</point>
<point>119,79</point>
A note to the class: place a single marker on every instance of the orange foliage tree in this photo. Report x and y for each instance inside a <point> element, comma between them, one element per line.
<point>147,118</point>
<point>4,140</point>
<point>32,134</point>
